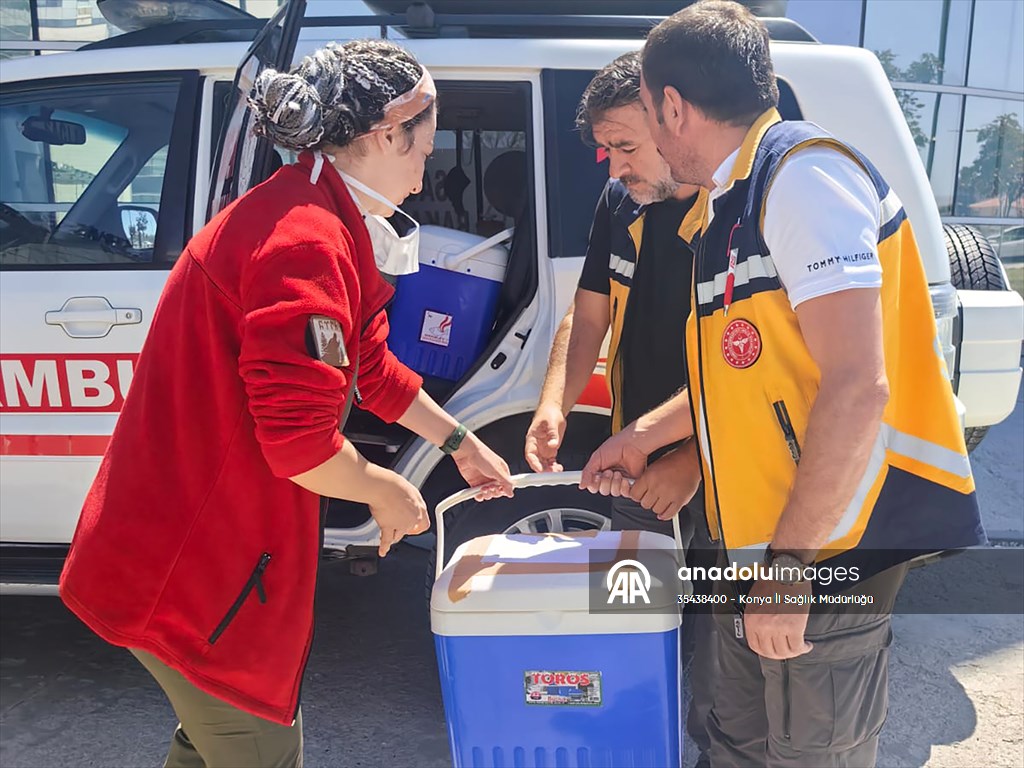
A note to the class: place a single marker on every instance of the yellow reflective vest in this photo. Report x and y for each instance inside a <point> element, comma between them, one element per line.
<point>625,237</point>
<point>753,381</point>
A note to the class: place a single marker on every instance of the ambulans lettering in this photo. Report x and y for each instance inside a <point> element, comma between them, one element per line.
<point>65,383</point>
<point>87,384</point>
<point>18,384</point>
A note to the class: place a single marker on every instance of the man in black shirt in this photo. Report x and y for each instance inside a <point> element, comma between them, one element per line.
<point>636,282</point>
<point>652,338</point>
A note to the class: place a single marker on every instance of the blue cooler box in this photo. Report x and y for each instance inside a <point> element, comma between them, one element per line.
<point>530,678</point>
<point>443,314</point>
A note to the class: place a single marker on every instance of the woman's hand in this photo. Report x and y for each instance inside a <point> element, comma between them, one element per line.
<point>399,510</point>
<point>479,464</point>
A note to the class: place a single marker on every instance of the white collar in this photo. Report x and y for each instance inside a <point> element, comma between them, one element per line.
<point>721,176</point>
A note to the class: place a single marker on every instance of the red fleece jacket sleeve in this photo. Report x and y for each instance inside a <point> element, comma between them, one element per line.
<point>386,385</point>
<point>294,398</point>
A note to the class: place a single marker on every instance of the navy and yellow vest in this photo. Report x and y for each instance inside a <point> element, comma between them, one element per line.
<point>753,381</point>
<point>625,238</point>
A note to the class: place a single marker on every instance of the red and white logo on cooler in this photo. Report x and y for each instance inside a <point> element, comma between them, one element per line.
<point>741,344</point>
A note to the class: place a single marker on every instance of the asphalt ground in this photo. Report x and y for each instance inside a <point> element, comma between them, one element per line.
<point>372,696</point>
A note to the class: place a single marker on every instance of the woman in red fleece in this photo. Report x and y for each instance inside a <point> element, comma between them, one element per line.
<point>198,544</point>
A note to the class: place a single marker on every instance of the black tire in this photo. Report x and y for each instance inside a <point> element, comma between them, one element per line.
<point>472,519</point>
<point>973,266</point>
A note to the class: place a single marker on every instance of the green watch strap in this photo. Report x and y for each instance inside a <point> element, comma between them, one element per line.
<point>454,441</point>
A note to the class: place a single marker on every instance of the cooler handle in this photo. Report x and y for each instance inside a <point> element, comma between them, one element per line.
<point>527,480</point>
<point>452,260</point>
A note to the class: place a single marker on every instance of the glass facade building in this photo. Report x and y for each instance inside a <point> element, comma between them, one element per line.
<point>956,66</point>
<point>61,22</point>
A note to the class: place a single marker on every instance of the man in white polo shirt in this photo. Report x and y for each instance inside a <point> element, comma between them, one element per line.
<point>824,420</point>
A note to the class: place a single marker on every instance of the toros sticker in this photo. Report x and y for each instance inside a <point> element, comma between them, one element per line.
<point>562,688</point>
<point>741,344</point>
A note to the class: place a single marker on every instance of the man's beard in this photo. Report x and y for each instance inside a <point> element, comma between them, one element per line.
<point>646,193</point>
<point>686,170</point>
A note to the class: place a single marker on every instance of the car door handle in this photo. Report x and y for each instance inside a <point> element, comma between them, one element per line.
<point>91,317</point>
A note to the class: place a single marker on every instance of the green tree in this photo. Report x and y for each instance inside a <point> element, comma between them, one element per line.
<point>928,66</point>
<point>927,69</point>
<point>998,170</point>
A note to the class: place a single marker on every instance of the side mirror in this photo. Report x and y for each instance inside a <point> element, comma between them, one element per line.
<point>139,226</point>
<point>53,132</point>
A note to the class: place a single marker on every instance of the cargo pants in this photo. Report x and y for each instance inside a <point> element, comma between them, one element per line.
<point>824,709</point>
<point>698,630</point>
<point>213,734</point>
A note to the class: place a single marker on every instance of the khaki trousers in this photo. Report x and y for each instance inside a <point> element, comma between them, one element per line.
<point>821,710</point>
<point>213,734</point>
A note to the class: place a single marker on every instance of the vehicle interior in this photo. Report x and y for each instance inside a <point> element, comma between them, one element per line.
<point>84,169</point>
<point>477,182</point>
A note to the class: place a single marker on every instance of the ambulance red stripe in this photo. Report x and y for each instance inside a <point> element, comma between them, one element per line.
<point>53,445</point>
<point>97,383</point>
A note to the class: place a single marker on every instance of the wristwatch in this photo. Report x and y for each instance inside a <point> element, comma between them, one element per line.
<point>784,567</point>
<point>454,441</point>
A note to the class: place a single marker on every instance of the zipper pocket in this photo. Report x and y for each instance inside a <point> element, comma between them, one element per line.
<point>782,415</point>
<point>255,581</point>
<point>785,699</point>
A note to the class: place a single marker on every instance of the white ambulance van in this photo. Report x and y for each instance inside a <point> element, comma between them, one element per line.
<point>113,155</point>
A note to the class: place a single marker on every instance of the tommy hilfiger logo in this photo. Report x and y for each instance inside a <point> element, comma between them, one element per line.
<point>831,261</point>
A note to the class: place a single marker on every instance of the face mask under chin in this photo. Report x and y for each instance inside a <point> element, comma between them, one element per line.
<point>395,255</point>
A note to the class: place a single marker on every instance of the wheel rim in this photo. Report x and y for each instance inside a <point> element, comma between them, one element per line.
<point>561,520</point>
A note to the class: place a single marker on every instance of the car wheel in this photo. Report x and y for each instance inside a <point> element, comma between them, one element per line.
<point>557,509</point>
<point>973,266</point>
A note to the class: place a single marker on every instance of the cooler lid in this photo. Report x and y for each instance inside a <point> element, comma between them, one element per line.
<point>540,584</point>
<point>441,247</point>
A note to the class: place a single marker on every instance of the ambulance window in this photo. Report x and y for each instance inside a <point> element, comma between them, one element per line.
<point>576,173</point>
<point>222,93</point>
<point>83,171</point>
<point>476,180</point>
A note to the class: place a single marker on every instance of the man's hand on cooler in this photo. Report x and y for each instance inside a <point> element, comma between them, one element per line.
<point>544,438</point>
<point>613,466</point>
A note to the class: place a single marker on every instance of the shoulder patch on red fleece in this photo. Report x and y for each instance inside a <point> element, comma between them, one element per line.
<point>328,340</point>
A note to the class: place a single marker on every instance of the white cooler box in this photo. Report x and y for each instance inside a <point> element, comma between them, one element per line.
<point>530,676</point>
